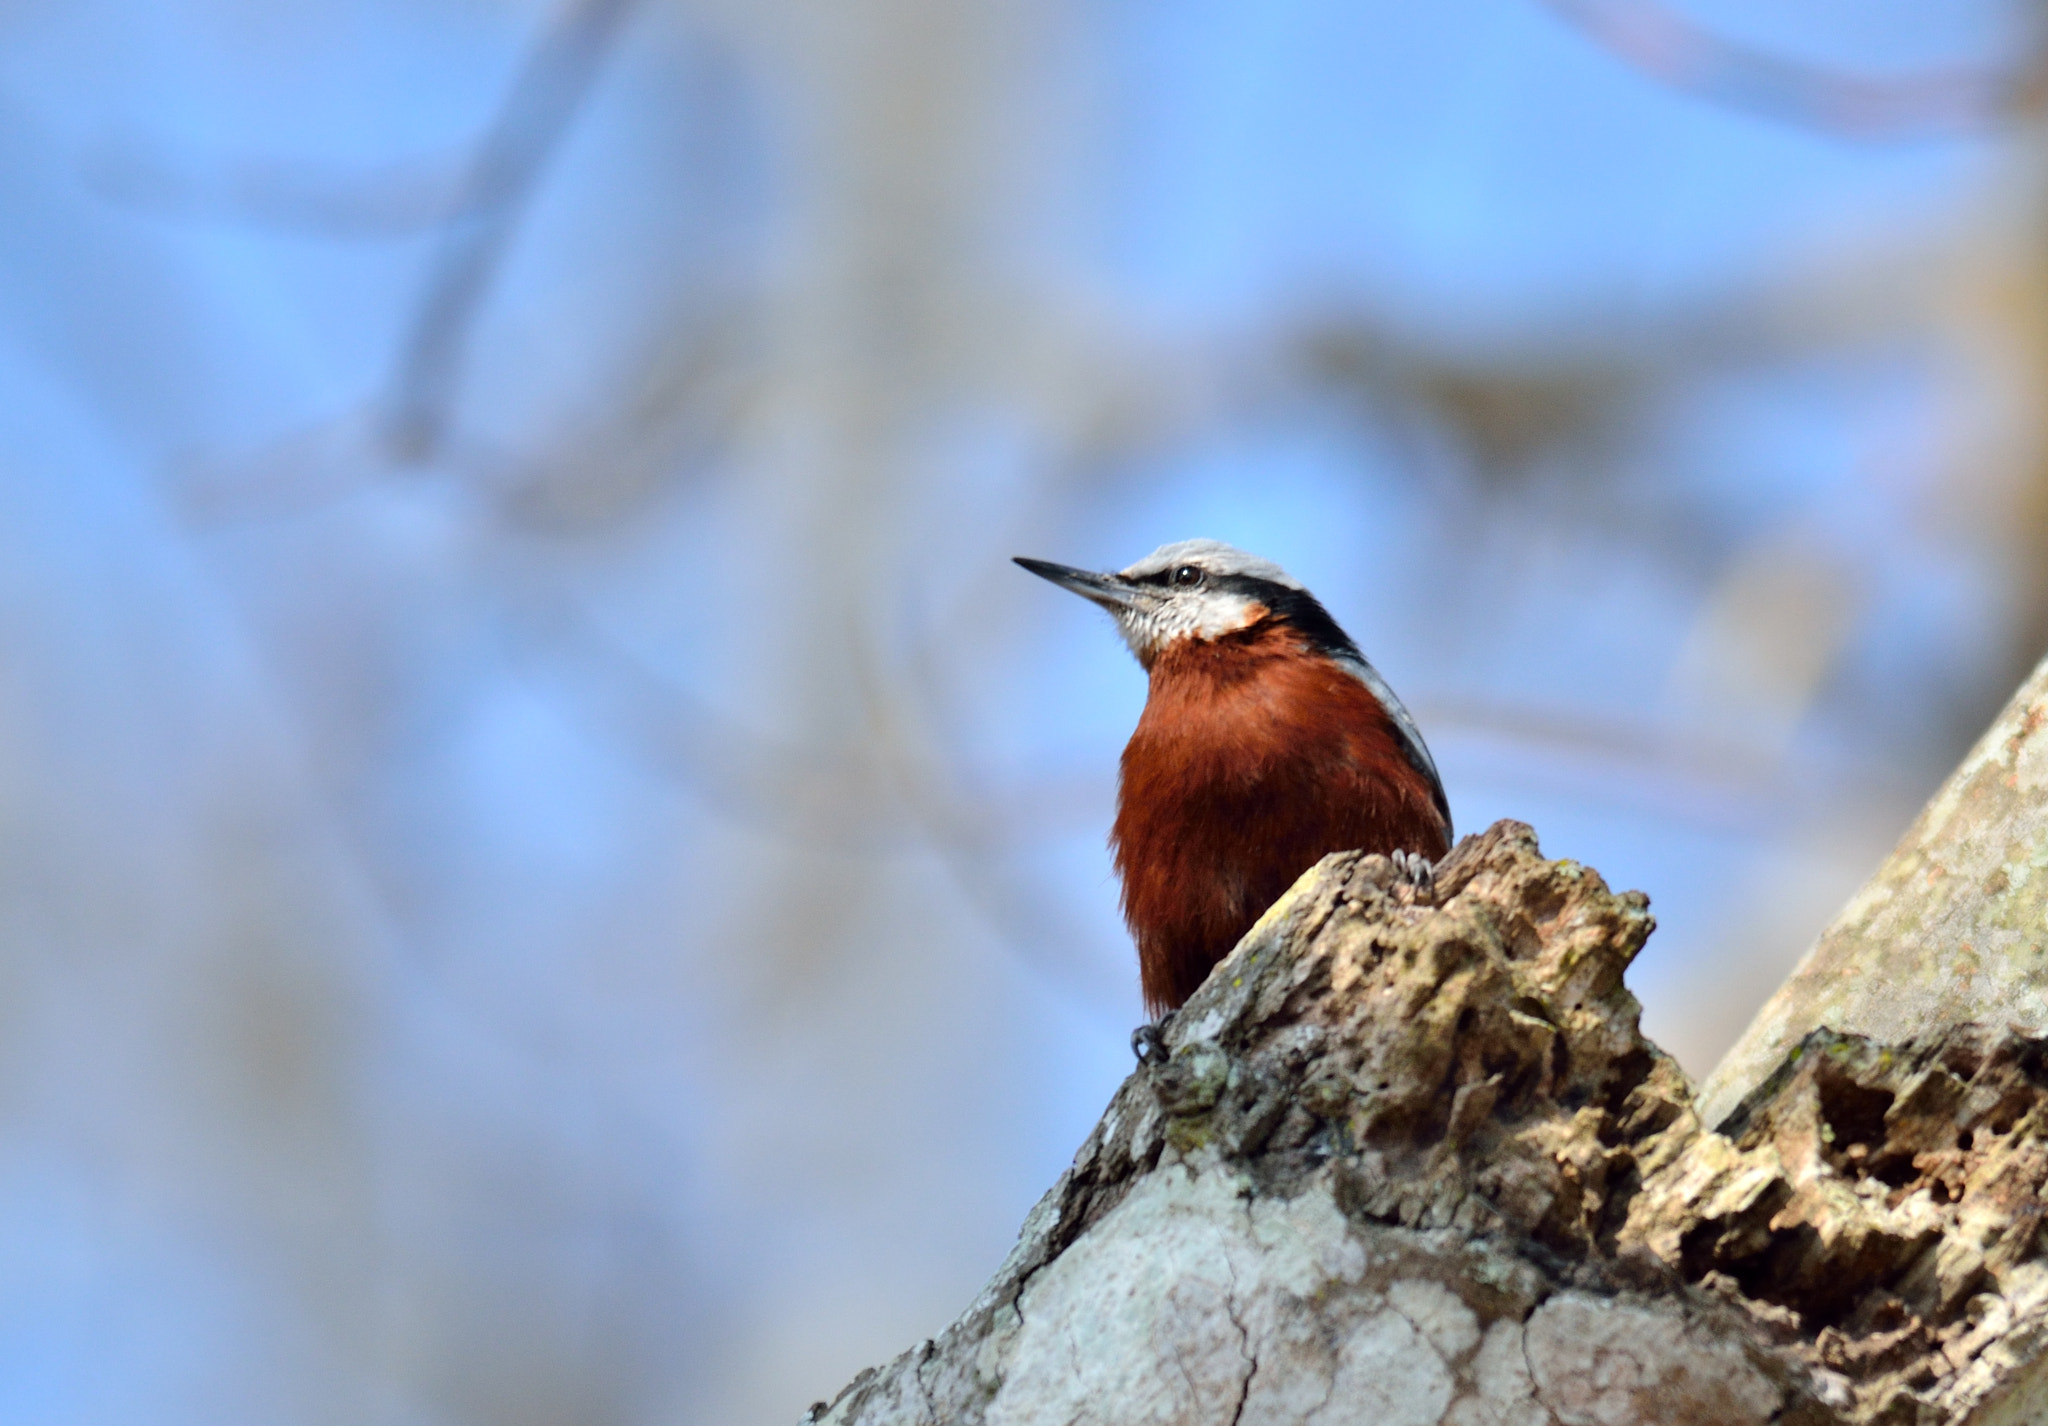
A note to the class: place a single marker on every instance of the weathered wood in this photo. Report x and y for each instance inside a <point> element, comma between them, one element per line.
<point>1952,928</point>
<point>1411,1163</point>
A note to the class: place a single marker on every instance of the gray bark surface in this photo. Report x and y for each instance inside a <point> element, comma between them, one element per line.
<point>1952,928</point>
<point>1409,1162</point>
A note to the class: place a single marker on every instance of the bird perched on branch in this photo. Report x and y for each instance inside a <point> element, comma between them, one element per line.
<point>1267,741</point>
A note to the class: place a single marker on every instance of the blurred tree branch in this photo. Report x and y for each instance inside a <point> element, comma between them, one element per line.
<point>1671,48</point>
<point>397,200</point>
<point>507,163</point>
<point>475,201</point>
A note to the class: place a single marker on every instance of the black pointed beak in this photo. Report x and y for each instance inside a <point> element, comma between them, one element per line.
<point>1111,591</point>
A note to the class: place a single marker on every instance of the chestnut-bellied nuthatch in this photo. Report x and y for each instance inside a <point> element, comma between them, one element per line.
<point>1267,741</point>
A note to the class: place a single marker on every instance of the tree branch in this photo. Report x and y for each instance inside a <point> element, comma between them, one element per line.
<point>508,160</point>
<point>1952,928</point>
<point>1684,55</point>
<point>1410,1160</point>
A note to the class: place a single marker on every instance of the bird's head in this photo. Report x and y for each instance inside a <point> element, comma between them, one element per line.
<point>1196,589</point>
<point>1205,589</point>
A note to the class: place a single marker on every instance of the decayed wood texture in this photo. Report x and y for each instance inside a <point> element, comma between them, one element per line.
<point>1410,1163</point>
<point>1952,928</point>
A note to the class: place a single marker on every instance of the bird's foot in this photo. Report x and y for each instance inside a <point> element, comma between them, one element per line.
<point>1148,1042</point>
<point>1415,869</point>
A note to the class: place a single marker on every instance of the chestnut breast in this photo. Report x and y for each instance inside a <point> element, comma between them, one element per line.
<point>1255,757</point>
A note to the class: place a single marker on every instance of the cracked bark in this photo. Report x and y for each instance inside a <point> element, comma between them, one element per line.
<point>1409,1162</point>
<point>1949,930</point>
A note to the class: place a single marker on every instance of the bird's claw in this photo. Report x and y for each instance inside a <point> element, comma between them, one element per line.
<point>1415,869</point>
<point>1148,1043</point>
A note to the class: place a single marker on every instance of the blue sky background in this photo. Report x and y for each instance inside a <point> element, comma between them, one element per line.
<point>602,914</point>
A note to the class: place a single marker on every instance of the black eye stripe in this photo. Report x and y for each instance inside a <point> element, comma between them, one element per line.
<point>1296,606</point>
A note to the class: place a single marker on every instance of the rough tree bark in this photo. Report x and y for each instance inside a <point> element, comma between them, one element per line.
<point>1952,928</point>
<point>1409,1161</point>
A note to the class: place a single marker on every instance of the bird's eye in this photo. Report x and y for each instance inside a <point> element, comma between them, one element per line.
<point>1187,576</point>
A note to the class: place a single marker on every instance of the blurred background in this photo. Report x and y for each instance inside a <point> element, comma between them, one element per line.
<point>550,868</point>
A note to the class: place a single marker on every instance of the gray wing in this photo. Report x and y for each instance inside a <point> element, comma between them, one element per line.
<point>1404,725</point>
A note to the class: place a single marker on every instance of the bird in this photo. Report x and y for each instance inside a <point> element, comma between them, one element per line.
<point>1267,741</point>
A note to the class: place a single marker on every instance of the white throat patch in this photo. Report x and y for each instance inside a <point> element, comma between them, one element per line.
<point>1158,621</point>
<point>1163,614</point>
